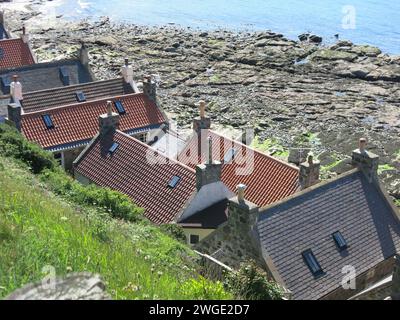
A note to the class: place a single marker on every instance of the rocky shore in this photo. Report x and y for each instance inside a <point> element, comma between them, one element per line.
<point>293,93</point>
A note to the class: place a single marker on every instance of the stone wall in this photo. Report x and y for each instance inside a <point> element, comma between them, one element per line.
<point>234,241</point>
<point>70,156</point>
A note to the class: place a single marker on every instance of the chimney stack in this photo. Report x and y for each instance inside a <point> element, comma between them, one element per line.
<point>202,122</point>
<point>108,122</point>
<point>16,90</point>
<point>14,115</point>
<point>309,172</point>
<point>83,54</point>
<point>366,161</point>
<point>209,172</point>
<point>25,35</point>
<point>127,73</point>
<point>150,88</point>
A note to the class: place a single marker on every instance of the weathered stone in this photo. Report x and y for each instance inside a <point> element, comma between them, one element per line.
<point>80,286</point>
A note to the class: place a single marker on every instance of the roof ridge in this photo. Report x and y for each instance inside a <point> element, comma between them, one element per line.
<point>71,86</point>
<point>159,153</point>
<point>310,189</point>
<point>258,151</point>
<point>39,65</point>
<point>67,106</point>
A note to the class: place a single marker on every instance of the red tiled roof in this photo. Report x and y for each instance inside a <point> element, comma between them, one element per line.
<point>16,53</point>
<point>129,171</point>
<point>267,179</point>
<point>79,122</point>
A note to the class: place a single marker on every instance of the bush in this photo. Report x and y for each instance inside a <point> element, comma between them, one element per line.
<point>251,283</point>
<point>13,144</point>
<point>113,202</point>
<point>175,231</point>
<point>202,289</point>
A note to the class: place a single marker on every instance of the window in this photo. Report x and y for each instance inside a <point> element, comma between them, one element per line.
<point>48,121</point>
<point>230,155</point>
<point>174,182</point>
<point>113,148</point>
<point>142,137</point>
<point>80,96</point>
<point>120,107</point>
<point>312,262</point>
<point>194,238</point>
<point>340,240</point>
<point>1,53</point>
<point>60,158</point>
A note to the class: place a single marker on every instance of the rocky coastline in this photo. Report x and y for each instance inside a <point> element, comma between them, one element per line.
<point>294,93</point>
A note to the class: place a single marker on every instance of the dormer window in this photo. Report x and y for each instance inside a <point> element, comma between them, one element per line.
<point>48,121</point>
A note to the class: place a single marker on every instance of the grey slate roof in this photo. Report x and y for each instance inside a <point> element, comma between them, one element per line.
<point>41,76</point>
<point>349,204</point>
<point>66,95</point>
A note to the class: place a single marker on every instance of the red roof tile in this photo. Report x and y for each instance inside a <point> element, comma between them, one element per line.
<point>129,171</point>
<point>79,122</point>
<point>16,53</point>
<point>267,179</point>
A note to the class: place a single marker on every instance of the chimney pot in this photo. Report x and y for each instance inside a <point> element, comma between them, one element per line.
<point>202,107</point>
<point>202,122</point>
<point>362,144</point>
<point>109,108</point>
<point>241,189</point>
<point>126,62</point>
<point>210,155</point>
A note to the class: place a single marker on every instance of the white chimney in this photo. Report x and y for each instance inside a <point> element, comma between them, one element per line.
<point>240,190</point>
<point>127,73</point>
<point>16,90</point>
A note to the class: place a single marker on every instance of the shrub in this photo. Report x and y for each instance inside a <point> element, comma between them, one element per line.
<point>202,289</point>
<point>175,231</point>
<point>113,202</point>
<point>251,283</point>
<point>13,144</point>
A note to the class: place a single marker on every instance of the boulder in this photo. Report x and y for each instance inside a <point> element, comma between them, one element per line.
<point>77,286</point>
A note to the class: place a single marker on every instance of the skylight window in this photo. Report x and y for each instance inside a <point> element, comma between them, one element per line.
<point>120,107</point>
<point>174,182</point>
<point>80,96</point>
<point>340,240</point>
<point>113,148</point>
<point>48,121</point>
<point>230,155</point>
<point>312,262</point>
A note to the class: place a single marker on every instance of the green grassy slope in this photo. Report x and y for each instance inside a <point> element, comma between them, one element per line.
<point>43,222</point>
